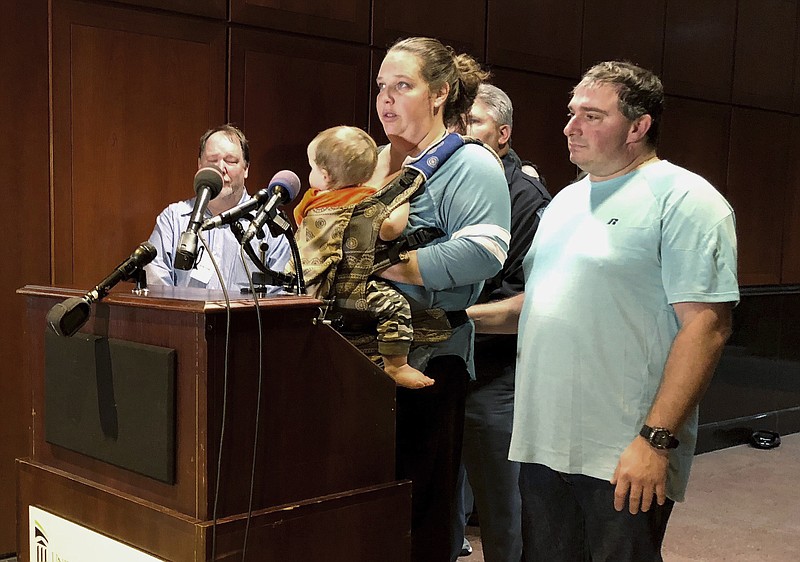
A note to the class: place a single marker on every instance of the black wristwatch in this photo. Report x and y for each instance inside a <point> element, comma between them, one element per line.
<point>659,437</point>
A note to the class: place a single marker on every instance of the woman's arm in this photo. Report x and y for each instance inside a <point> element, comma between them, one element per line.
<point>404,272</point>
<point>470,198</point>
<point>473,205</point>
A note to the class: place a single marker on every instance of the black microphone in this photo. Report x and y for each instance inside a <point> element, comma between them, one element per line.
<point>208,183</point>
<point>284,186</point>
<point>234,214</point>
<point>67,317</point>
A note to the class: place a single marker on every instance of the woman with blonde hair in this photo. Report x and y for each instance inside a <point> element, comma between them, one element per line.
<point>423,90</point>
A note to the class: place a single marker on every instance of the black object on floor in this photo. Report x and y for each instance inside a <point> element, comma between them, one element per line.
<point>764,439</point>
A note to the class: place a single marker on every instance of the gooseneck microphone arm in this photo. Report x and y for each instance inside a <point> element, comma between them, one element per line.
<point>266,212</point>
<point>67,317</point>
<point>239,211</point>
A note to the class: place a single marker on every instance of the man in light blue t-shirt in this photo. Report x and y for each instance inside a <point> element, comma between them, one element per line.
<point>629,286</point>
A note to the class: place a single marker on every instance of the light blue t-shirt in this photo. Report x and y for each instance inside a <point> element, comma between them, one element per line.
<point>597,324</point>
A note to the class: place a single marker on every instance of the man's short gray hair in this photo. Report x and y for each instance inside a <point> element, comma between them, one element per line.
<point>498,103</point>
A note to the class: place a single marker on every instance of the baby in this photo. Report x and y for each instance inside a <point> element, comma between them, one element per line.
<point>341,159</point>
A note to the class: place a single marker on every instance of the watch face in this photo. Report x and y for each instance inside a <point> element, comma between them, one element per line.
<point>660,438</point>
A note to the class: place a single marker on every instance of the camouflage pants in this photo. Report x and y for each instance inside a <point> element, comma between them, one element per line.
<point>393,314</point>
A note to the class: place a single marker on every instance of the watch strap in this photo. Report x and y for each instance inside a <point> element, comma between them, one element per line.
<point>659,437</point>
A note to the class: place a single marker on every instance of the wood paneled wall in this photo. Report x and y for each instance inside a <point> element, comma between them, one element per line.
<point>103,135</point>
<point>131,89</point>
<point>24,178</point>
<point>284,70</point>
<point>284,89</point>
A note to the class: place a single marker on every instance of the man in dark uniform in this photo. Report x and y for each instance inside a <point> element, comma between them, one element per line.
<point>490,401</point>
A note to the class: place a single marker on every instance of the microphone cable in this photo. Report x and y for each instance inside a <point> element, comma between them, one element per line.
<point>224,395</point>
<point>258,399</point>
<point>300,284</point>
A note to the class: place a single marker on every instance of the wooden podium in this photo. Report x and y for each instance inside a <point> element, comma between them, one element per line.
<point>138,400</point>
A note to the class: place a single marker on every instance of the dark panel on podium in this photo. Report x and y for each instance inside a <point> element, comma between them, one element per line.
<point>210,8</point>
<point>340,19</point>
<point>540,110</point>
<point>695,135</point>
<point>458,23</point>
<point>26,247</point>
<point>758,172</point>
<point>698,48</point>
<point>542,36</point>
<point>624,30</point>
<point>285,89</point>
<point>133,91</point>
<point>765,54</point>
<point>790,267</point>
<point>112,400</point>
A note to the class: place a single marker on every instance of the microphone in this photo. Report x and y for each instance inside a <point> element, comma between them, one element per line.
<point>208,183</point>
<point>284,186</point>
<point>234,214</point>
<point>67,317</point>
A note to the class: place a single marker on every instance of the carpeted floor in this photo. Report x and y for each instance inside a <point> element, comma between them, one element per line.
<point>742,505</point>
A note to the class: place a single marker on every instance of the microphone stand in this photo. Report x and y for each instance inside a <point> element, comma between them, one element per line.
<point>139,276</point>
<point>267,275</point>
<point>69,316</point>
<point>279,225</point>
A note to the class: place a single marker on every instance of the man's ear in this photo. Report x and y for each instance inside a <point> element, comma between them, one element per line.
<point>639,128</point>
<point>505,135</point>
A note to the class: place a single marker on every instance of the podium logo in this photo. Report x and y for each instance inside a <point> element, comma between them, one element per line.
<point>43,551</point>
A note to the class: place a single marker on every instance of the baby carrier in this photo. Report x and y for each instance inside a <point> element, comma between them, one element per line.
<point>343,250</point>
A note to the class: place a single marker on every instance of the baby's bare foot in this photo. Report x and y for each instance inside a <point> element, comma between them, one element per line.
<point>407,376</point>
